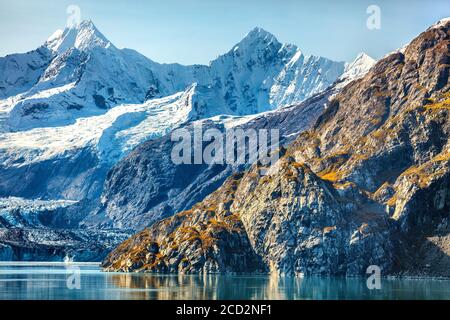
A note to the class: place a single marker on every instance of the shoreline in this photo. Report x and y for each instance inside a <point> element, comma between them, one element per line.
<point>47,263</point>
<point>98,264</point>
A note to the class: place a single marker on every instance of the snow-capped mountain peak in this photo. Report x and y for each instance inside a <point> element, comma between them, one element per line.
<point>362,63</point>
<point>357,68</point>
<point>84,36</point>
<point>86,75</point>
<point>440,23</point>
<point>55,37</point>
<point>256,39</point>
<point>362,59</point>
<point>259,33</point>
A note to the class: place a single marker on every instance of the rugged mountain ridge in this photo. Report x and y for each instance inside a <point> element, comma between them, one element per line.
<point>127,199</point>
<point>77,105</point>
<point>19,72</point>
<point>78,73</point>
<point>71,99</point>
<point>369,184</point>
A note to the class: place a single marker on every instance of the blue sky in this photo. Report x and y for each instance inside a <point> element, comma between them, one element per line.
<point>196,31</point>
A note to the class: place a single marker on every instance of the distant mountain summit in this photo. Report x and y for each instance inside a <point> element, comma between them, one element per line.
<point>82,37</point>
<point>78,72</point>
<point>360,66</point>
<point>256,35</point>
<point>79,96</point>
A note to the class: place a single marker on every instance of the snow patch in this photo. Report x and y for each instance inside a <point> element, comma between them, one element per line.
<point>441,23</point>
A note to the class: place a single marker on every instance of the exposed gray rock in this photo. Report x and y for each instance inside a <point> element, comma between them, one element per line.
<point>367,185</point>
<point>300,224</point>
<point>43,244</point>
<point>49,231</point>
<point>208,238</point>
<point>147,186</point>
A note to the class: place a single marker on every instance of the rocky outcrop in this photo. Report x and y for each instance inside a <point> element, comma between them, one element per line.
<point>368,185</point>
<point>147,186</point>
<point>206,238</point>
<point>301,225</point>
<point>290,219</point>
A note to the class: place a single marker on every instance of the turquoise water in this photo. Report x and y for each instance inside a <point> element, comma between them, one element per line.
<point>86,281</point>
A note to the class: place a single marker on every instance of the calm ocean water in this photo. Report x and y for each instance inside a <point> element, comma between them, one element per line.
<point>86,281</point>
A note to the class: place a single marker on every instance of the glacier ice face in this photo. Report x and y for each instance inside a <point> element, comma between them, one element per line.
<point>20,212</point>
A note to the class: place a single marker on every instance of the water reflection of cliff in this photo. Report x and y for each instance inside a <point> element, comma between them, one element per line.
<point>150,286</point>
<point>146,286</point>
<point>206,287</point>
<point>166,287</point>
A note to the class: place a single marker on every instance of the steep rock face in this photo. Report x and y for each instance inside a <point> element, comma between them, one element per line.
<point>206,238</point>
<point>20,72</point>
<point>395,146</point>
<point>301,225</point>
<point>421,205</point>
<point>146,185</point>
<point>290,221</point>
<point>387,135</point>
<point>368,184</point>
<point>412,78</point>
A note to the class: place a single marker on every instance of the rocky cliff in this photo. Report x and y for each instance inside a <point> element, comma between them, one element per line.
<point>147,186</point>
<point>369,184</point>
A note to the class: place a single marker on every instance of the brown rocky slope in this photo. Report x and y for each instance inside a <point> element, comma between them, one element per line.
<point>368,185</point>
